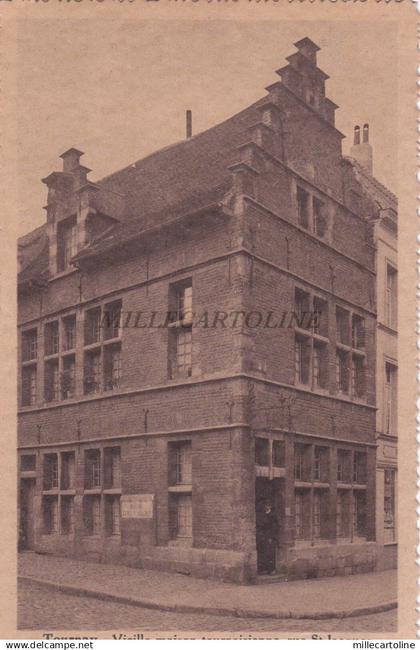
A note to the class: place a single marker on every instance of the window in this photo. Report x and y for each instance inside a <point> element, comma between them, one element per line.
<point>184,303</point>
<point>302,308</point>
<point>112,366</point>
<point>112,515</point>
<point>180,516</point>
<point>391,371</point>
<point>262,452</point>
<point>359,513</point>
<point>343,513</point>
<point>359,467</point>
<point>320,316</point>
<point>358,331</point>
<point>51,381</point>
<point>112,467</point>
<point>303,206</point>
<point>28,463</point>
<point>66,242</point>
<point>391,296</point>
<point>180,333</point>
<point>52,341</point>
<point>180,463</point>
<point>302,359</point>
<point>343,466</point>
<point>183,353</point>
<point>320,365</point>
<point>279,458</point>
<point>321,464</point>
<point>389,504</point>
<point>29,345</point>
<point>342,371</point>
<point>50,472</point>
<point>320,218</point>
<point>67,470</point>
<point>180,490</point>
<point>343,325</point>
<point>92,469</point>
<point>93,326</point>
<point>112,320</point>
<point>92,372</point>
<point>299,503</point>
<point>358,382</point>
<point>69,332</point>
<point>302,462</point>
<point>316,515</point>
<point>92,514</point>
<point>68,377</point>
<point>67,515</point>
<point>29,385</point>
<point>50,514</point>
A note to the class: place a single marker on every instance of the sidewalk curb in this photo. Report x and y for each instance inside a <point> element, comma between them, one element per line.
<point>213,611</point>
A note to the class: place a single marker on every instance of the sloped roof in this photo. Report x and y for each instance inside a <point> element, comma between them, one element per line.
<point>375,188</point>
<point>182,177</point>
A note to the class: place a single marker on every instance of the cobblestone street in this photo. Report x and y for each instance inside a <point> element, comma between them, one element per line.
<point>45,609</point>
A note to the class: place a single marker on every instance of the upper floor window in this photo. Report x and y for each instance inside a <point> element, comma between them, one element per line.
<point>180,463</point>
<point>69,332</point>
<point>112,320</point>
<point>93,478</point>
<point>391,377</point>
<point>29,385</point>
<point>180,332</point>
<point>93,325</point>
<point>262,452</point>
<point>51,381</point>
<point>342,371</point>
<point>343,325</point>
<point>312,213</point>
<point>50,472</point>
<point>52,337</point>
<point>29,345</point>
<point>66,242</point>
<point>358,331</point>
<point>303,199</point>
<point>391,296</point>
<point>302,359</point>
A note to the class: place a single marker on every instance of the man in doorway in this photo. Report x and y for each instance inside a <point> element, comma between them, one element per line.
<point>267,538</point>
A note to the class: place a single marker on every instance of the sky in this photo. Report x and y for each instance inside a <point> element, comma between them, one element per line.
<point>118,90</point>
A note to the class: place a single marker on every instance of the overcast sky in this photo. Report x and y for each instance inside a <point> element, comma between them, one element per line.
<point>119,90</point>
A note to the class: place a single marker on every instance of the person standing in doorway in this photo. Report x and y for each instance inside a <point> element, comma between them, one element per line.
<point>267,539</point>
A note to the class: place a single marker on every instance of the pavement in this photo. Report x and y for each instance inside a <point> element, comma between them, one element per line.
<point>324,598</point>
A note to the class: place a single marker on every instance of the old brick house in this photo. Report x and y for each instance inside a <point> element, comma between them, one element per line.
<point>156,446</point>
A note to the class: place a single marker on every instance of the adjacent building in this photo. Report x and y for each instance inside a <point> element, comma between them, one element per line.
<point>385,232</point>
<point>170,383</point>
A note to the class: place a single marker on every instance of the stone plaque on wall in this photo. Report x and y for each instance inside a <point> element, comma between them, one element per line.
<point>137,506</point>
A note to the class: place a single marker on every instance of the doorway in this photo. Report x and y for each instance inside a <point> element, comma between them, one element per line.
<point>268,523</point>
<point>26,528</point>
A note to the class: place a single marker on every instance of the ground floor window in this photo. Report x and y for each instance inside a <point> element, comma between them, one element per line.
<point>50,514</point>
<point>181,516</point>
<point>67,515</point>
<point>112,515</point>
<point>92,514</point>
<point>389,504</point>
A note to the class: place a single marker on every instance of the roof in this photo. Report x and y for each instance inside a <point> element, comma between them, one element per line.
<point>379,192</point>
<point>182,177</point>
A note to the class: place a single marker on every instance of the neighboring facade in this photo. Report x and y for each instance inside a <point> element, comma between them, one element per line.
<point>154,440</point>
<point>385,232</point>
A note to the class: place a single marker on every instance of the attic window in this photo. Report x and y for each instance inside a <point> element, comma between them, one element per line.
<point>66,242</point>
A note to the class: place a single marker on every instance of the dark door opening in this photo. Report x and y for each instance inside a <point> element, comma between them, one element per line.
<point>26,528</point>
<point>268,522</point>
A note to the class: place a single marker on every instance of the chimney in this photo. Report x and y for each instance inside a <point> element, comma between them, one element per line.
<point>189,123</point>
<point>71,159</point>
<point>362,151</point>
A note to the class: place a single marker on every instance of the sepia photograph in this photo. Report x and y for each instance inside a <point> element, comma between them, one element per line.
<point>207,315</point>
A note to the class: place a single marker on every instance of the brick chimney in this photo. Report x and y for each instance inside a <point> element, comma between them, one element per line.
<point>361,150</point>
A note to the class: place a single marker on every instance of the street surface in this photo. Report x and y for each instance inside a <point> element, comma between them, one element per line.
<point>46,609</point>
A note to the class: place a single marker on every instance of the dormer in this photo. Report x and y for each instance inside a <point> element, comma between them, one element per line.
<point>75,211</point>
